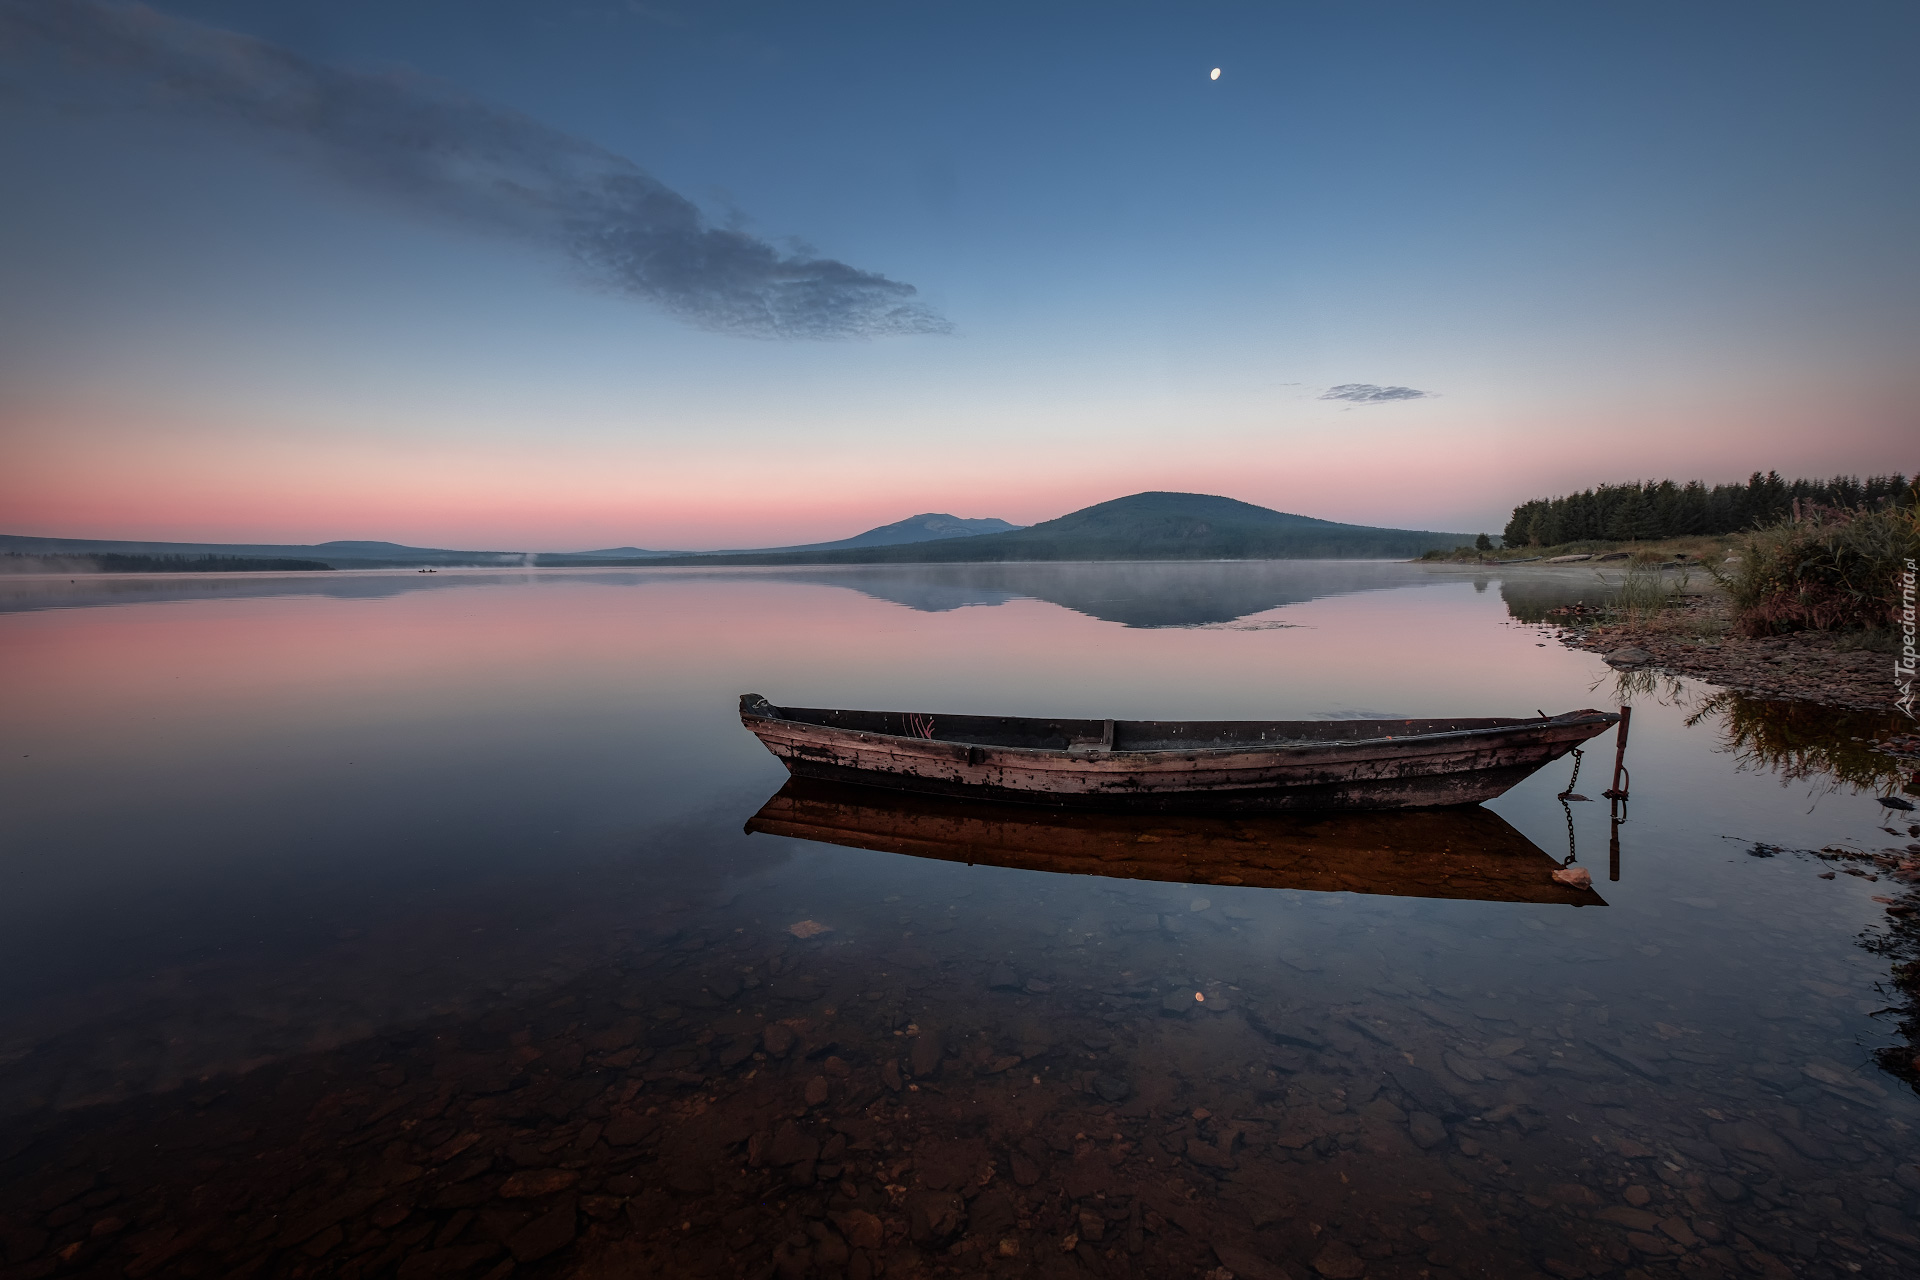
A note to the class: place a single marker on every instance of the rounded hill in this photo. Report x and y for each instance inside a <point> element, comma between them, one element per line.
<point>1148,526</point>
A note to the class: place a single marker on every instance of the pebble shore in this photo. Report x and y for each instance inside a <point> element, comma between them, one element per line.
<point>1694,639</point>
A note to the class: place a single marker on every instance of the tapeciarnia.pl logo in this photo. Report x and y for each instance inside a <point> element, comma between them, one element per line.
<point>1903,666</point>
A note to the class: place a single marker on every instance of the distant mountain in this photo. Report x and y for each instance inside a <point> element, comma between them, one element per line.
<point>338,555</point>
<point>616,553</point>
<point>927,527</point>
<point>1143,526</point>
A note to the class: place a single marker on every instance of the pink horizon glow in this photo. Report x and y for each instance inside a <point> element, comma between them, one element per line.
<point>85,478</point>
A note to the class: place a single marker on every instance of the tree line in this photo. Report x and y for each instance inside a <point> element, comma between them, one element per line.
<point>1648,509</point>
<point>121,562</point>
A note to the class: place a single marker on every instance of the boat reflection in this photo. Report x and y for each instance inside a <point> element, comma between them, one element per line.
<point>1464,853</point>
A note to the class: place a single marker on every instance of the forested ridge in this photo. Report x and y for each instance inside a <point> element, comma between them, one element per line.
<point>1643,510</point>
<point>115,562</point>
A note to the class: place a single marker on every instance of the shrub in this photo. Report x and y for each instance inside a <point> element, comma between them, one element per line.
<point>1823,569</point>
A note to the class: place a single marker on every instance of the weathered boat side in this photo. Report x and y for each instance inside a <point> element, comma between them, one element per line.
<point>1158,765</point>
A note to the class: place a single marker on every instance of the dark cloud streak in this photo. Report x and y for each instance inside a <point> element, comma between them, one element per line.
<point>437,151</point>
<point>1367,393</point>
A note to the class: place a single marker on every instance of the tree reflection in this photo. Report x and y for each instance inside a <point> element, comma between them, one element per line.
<point>1803,740</point>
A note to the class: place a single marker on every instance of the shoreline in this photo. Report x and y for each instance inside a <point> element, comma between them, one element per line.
<point>1695,638</point>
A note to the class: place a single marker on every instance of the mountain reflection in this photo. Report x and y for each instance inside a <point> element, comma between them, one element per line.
<point>1466,853</point>
<point>1132,594</point>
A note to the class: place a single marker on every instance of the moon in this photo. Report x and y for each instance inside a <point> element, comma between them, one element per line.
<point>1215,75</point>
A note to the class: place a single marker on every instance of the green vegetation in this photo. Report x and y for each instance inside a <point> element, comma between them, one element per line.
<point>1639,511</point>
<point>1824,569</point>
<point>1144,526</point>
<point>15,562</point>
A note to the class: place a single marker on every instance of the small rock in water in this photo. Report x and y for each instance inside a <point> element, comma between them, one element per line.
<point>1111,1088</point>
<point>809,929</point>
<point>1578,877</point>
<point>1629,656</point>
<point>1241,1264</point>
<point>1426,1130</point>
<point>1208,1156</point>
<point>1895,802</point>
<point>533,1184</point>
<point>791,1145</point>
<point>1338,1261</point>
<point>1199,904</point>
<point>927,1052</point>
<point>1726,1188</point>
<point>934,1217</point>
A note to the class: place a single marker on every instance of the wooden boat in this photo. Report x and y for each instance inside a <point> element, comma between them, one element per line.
<point>1464,853</point>
<point>1212,766</point>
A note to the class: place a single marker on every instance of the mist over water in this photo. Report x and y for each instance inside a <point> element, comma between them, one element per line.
<point>311,880</point>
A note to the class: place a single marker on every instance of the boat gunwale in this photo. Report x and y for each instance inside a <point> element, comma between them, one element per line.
<point>1090,752</point>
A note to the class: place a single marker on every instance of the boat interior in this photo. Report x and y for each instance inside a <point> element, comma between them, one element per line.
<point>1062,734</point>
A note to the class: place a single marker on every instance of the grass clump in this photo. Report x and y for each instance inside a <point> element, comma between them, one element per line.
<point>1823,569</point>
<point>1645,592</point>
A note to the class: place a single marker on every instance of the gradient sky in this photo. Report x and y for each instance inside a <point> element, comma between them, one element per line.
<point>555,276</point>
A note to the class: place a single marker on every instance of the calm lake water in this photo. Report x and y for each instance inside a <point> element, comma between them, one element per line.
<point>363,924</point>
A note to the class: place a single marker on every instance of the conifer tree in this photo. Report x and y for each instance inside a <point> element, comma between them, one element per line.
<point>1648,509</point>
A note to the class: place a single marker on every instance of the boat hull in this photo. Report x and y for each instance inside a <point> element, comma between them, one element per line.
<point>1425,767</point>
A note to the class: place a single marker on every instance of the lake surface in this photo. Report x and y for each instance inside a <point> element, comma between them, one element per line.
<point>371,923</point>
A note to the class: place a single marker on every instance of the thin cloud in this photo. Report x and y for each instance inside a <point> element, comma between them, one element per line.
<point>1367,393</point>
<point>438,152</point>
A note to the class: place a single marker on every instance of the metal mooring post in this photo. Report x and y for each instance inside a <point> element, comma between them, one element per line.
<point>1616,791</point>
<point>1617,795</point>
